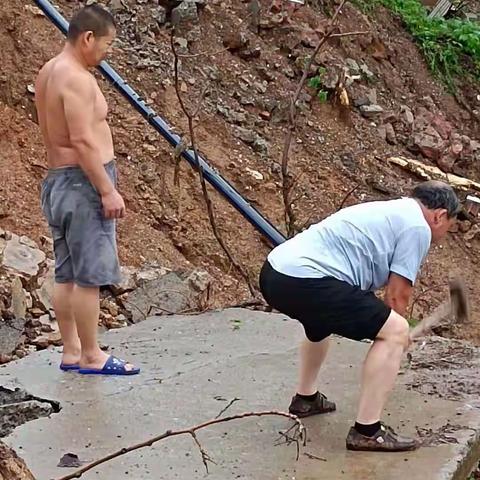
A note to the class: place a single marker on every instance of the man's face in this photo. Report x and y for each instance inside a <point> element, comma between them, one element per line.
<point>95,49</point>
<point>441,224</point>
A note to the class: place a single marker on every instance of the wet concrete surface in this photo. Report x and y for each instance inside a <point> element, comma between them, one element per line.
<point>193,366</point>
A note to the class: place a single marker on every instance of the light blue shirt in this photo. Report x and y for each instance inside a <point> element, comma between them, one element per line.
<point>360,245</point>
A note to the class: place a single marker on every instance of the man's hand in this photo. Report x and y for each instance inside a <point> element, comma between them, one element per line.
<point>113,205</point>
<point>399,291</point>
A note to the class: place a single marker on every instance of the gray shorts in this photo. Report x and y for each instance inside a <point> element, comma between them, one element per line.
<point>84,240</point>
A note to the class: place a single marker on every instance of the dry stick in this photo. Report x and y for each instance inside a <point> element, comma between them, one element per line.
<point>208,202</point>
<point>350,192</point>
<point>286,180</point>
<point>230,403</point>
<point>300,435</point>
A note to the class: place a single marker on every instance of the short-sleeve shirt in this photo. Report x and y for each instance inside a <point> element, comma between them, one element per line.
<point>360,245</point>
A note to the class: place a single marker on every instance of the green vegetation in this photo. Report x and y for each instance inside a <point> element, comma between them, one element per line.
<point>450,46</point>
<point>316,83</point>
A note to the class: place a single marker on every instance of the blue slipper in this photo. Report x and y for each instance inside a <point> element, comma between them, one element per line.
<point>67,368</point>
<point>113,366</point>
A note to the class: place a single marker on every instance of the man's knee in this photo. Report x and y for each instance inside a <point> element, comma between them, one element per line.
<point>395,329</point>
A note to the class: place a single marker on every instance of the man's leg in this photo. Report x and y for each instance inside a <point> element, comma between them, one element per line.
<point>381,367</point>
<point>312,355</point>
<point>62,304</point>
<point>308,401</point>
<point>378,377</point>
<point>86,307</point>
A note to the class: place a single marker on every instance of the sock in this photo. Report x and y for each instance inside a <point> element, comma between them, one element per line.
<point>367,430</point>
<point>309,398</point>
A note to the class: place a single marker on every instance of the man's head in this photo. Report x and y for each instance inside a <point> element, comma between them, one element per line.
<point>91,32</point>
<point>440,206</point>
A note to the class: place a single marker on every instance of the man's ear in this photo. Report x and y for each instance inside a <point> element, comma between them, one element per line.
<point>440,215</point>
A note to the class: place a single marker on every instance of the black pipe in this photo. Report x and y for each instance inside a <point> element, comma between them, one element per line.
<point>216,180</point>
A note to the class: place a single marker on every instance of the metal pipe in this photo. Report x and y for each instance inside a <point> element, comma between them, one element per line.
<point>215,179</point>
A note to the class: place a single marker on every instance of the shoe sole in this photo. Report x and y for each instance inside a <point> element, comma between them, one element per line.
<point>310,414</point>
<point>380,449</point>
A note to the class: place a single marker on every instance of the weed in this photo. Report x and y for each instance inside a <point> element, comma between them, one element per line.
<point>448,45</point>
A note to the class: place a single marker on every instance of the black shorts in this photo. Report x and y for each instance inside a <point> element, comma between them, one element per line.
<point>324,305</point>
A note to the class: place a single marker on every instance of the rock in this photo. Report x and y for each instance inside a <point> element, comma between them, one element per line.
<point>429,143</point>
<point>442,126</point>
<point>186,12</point>
<point>231,115</point>
<point>390,134</point>
<point>366,71</point>
<point>21,257</point>
<point>181,42</point>
<point>255,174</point>
<point>370,111</point>
<point>260,145</point>
<point>44,294</point>
<point>127,282</point>
<point>353,66</point>
<point>330,79</point>
<point>41,342</point>
<point>110,307</point>
<point>446,162</point>
<point>10,334</point>
<point>116,6</point>
<point>200,280</point>
<point>159,13</point>
<point>235,40</point>
<point>21,300</point>
<point>34,10</point>
<point>250,53</point>
<point>150,273</point>
<point>407,114</point>
<point>12,467</point>
<point>167,294</point>
<point>472,233</point>
<point>372,96</point>
<point>244,134</point>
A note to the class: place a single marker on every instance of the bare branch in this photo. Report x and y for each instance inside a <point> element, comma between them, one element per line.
<point>230,403</point>
<point>350,192</point>
<point>287,184</point>
<point>211,215</point>
<point>301,435</point>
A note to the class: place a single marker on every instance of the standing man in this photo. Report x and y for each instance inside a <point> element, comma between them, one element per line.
<point>325,278</point>
<point>79,195</point>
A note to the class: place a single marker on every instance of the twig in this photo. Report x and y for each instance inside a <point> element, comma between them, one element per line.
<point>421,295</point>
<point>314,457</point>
<point>350,192</point>
<point>348,34</point>
<point>287,183</point>
<point>227,407</point>
<point>300,435</point>
<point>208,202</point>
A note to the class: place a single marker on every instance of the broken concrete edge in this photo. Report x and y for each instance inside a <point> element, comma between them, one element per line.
<point>468,460</point>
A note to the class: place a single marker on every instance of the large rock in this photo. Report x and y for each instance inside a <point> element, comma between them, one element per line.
<point>170,293</point>
<point>186,12</point>
<point>44,294</point>
<point>21,256</point>
<point>11,332</point>
<point>12,467</point>
<point>429,143</point>
<point>21,299</point>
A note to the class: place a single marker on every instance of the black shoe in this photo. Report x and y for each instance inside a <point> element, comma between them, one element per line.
<point>385,440</point>
<point>304,408</point>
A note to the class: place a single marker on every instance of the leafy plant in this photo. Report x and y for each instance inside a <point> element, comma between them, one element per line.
<point>316,83</point>
<point>451,47</point>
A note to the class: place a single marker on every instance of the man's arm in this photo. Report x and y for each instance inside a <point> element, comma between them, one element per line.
<point>79,109</point>
<point>398,293</point>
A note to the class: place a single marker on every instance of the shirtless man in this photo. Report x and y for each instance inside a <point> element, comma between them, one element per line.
<point>79,196</point>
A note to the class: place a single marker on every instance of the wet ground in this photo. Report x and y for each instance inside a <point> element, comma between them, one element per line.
<point>195,366</point>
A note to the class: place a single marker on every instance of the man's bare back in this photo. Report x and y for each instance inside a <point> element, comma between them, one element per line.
<point>56,83</point>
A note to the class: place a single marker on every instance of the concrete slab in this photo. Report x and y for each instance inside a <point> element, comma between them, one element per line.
<point>192,367</point>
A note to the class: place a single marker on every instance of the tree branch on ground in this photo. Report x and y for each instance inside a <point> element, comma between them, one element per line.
<point>296,434</point>
<point>211,214</point>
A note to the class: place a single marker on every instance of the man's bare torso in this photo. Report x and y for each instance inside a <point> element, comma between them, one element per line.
<point>50,87</point>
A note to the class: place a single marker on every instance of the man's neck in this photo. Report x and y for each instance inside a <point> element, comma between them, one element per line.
<point>70,51</point>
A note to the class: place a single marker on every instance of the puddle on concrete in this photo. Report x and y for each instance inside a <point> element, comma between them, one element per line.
<point>18,407</point>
